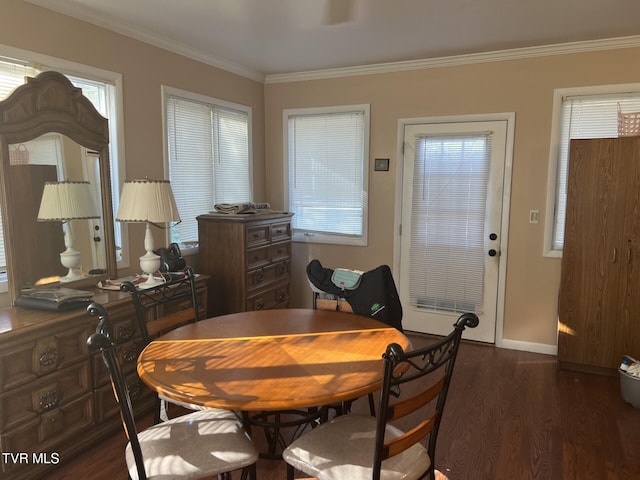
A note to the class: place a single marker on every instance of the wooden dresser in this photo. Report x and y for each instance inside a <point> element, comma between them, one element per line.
<point>248,258</point>
<point>56,397</point>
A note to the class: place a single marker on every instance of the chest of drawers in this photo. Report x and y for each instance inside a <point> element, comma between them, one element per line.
<point>248,259</point>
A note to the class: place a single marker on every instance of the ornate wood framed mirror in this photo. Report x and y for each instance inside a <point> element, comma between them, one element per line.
<point>50,134</point>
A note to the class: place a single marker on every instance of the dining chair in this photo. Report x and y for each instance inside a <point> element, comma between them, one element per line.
<point>197,445</point>
<point>389,447</point>
<point>155,317</point>
<point>372,293</point>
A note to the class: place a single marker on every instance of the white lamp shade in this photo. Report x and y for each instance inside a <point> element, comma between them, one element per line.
<point>62,201</point>
<point>147,201</point>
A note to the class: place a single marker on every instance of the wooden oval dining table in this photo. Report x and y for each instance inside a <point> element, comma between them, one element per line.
<point>269,360</point>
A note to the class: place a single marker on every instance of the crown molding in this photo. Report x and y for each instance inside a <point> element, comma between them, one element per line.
<point>153,39</point>
<point>457,60</point>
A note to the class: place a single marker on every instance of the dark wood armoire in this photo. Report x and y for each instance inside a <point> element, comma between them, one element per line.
<point>599,301</point>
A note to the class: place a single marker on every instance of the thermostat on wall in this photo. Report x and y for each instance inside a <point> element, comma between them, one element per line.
<point>381,165</point>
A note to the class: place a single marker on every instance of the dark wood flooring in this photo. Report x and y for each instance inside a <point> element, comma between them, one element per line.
<point>509,415</point>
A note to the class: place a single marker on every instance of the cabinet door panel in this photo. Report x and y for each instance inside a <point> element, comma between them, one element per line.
<point>628,321</point>
<point>590,284</point>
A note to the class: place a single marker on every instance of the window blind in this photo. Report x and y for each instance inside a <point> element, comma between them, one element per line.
<point>12,75</point>
<point>327,190</point>
<point>208,151</point>
<point>588,116</point>
<point>447,222</point>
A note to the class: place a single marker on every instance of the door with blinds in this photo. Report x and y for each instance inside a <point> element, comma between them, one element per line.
<point>453,182</point>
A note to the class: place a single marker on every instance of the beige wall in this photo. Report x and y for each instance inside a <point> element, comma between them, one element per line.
<point>144,69</point>
<point>522,86</point>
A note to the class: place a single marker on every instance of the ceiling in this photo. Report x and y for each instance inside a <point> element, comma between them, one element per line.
<point>266,37</point>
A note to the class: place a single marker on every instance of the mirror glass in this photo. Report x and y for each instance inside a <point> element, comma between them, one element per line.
<point>50,134</point>
<point>53,157</point>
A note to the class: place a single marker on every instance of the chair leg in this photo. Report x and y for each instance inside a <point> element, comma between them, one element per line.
<point>372,405</point>
<point>249,472</point>
<point>290,472</point>
<point>156,411</point>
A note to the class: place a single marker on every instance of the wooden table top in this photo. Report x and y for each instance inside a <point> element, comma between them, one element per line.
<point>270,359</point>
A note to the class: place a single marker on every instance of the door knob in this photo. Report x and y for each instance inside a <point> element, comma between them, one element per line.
<point>493,236</point>
<point>492,252</point>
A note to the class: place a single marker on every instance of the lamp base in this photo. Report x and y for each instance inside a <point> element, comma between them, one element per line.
<point>72,276</point>
<point>150,264</point>
<point>70,259</point>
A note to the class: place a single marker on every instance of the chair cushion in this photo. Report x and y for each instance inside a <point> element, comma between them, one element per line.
<point>199,444</point>
<point>343,449</point>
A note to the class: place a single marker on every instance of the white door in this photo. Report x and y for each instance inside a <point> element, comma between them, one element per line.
<point>452,207</point>
<point>92,174</point>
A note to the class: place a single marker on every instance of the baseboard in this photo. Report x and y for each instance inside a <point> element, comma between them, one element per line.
<point>529,346</point>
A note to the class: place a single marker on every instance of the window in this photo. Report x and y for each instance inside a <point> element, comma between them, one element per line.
<point>579,113</point>
<point>327,154</point>
<point>208,155</point>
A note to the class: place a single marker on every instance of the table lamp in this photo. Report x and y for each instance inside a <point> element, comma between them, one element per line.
<point>63,202</point>
<point>151,202</point>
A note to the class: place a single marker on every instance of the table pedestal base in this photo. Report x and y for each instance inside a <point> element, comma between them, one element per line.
<point>282,427</point>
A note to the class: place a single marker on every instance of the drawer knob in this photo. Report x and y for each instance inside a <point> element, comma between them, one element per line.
<point>48,400</point>
<point>130,354</point>
<point>48,357</point>
<point>259,276</point>
<point>282,268</point>
<point>135,390</point>
<point>259,306</point>
<point>279,230</point>
<point>126,332</point>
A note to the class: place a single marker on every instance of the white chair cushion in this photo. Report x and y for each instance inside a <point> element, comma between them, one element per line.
<point>199,444</point>
<point>343,449</point>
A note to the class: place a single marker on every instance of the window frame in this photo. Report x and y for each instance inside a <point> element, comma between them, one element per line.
<point>554,152</point>
<point>168,91</point>
<point>305,236</point>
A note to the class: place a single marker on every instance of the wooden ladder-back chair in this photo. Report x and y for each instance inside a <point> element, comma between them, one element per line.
<point>412,400</point>
<point>197,445</point>
<point>161,309</point>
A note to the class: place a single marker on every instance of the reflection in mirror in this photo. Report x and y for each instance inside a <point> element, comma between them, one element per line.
<point>48,166</point>
<point>50,132</point>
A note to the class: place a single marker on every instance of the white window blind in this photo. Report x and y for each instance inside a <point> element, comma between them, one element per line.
<point>327,165</point>
<point>12,75</point>
<point>588,116</point>
<point>447,222</point>
<point>208,153</point>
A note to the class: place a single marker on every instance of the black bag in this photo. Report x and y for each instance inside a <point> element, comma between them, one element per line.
<point>171,259</point>
<point>376,295</point>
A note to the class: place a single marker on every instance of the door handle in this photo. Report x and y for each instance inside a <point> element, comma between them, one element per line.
<point>493,252</point>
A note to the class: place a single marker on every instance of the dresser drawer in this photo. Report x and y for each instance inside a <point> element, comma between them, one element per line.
<point>21,363</point>
<point>63,424</point>
<point>277,297</point>
<point>257,235</point>
<point>127,355</point>
<point>265,276</point>
<point>105,402</point>
<point>281,231</point>
<point>45,395</point>
<point>258,257</point>
<point>280,251</point>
